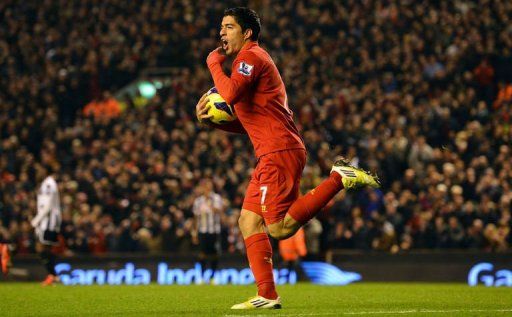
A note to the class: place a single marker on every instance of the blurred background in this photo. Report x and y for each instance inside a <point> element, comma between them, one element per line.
<point>104,93</point>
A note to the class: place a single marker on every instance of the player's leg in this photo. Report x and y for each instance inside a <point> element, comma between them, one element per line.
<point>5,257</point>
<point>48,258</point>
<point>202,262</point>
<point>214,257</point>
<point>343,176</point>
<point>273,188</point>
<point>259,254</point>
<point>45,256</point>
<point>214,264</point>
<point>252,227</point>
<point>202,255</point>
<point>5,251</point>
<point>208,255</point>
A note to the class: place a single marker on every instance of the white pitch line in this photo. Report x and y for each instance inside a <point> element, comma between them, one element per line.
<point>381,312</point>
<point>428,311</point>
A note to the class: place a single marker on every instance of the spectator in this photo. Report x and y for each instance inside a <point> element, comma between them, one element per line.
<point>313,230</point>
<point>484,76</point>
<point>105,108</point>
<point>293,249</point>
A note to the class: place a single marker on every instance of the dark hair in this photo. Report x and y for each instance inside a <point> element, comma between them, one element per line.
<point>247,18</point>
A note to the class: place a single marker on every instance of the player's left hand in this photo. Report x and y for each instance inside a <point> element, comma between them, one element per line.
<point>202,109</point>
<point>34,222</point>
<point>216,56</point>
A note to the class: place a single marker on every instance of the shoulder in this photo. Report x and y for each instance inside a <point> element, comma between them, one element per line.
<point>217,198</point>
<point>52,182</point>
<point>247,61</point>
<point>48,181</point>
<point>48,186</point>
<point>253,54</point>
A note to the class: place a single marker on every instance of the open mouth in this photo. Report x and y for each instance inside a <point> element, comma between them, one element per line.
<point>224,44</point>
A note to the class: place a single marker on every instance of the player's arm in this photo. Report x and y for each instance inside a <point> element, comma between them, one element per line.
<point>203,117</point>
<point>243,74</point>
<point>233,127</point>
<point>194,231</point>
<point>43,207</point>
<point>195,224</point>
<point>218,205</point>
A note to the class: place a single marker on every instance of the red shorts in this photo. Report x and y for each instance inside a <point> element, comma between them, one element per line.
<point>274,184</point>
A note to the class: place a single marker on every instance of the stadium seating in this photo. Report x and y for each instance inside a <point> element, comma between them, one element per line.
<point>416,93</point>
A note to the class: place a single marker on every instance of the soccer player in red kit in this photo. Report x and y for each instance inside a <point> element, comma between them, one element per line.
<point>257,92</point>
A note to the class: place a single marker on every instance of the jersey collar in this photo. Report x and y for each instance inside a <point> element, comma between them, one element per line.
<point>248,46</point>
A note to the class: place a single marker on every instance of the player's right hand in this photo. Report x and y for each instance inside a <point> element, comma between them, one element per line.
<point>202,108</point>
<point>218,55</point>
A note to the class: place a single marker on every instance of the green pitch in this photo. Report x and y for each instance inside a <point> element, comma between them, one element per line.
<point>365,299</point>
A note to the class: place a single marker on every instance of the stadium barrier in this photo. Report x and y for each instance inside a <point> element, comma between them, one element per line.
<point>473,268</point>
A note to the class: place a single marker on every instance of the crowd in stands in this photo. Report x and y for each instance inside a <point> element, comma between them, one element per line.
<point>417,91</point>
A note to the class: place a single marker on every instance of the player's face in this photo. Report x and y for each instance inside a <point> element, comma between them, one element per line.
<point>206,186</point>
<point>231,35</point>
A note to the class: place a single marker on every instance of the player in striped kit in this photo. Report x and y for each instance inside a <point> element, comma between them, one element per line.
<point>207,209</point>
<point>47,225</point>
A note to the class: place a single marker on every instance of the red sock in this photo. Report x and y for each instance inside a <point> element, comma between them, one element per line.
<point>259,253</point>
<point>307,206</point>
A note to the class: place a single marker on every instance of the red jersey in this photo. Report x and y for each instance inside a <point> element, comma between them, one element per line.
<point>257,92</point>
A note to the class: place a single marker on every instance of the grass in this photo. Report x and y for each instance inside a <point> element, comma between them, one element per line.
<point>364,299</point>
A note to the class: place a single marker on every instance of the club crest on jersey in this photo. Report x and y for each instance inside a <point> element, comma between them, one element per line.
<point>245,69</point>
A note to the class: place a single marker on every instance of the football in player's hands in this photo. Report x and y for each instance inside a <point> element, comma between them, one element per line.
<point>220,111</point>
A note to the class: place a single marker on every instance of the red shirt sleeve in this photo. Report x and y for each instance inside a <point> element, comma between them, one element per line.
<point>244,72</point>
<point>233,126</point>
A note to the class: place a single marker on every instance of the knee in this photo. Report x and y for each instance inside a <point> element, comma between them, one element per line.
<point>284,228</point>
<point>246,222</point>
<point>279,232</point>
<point>250,224</point>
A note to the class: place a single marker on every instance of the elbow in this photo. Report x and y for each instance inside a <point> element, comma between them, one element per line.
<point>230,98</point>
<point>229,95</point>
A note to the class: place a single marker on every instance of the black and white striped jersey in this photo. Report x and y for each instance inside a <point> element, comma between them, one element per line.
<point>208,220</point>
<point>48,207</point>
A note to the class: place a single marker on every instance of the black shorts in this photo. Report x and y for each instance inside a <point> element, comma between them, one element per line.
<point>48,237</point>
<point>208,243</point>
